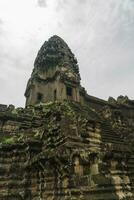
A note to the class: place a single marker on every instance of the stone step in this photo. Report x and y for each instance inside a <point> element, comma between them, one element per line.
<point>111,141</point>
<point>131,161</point>
<point>107,139</point>
<point>111,136</point>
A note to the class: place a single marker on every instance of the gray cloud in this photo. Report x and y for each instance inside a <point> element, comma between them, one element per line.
<point>1,21</point>
<point>42,3</point>
<point>1,26</point>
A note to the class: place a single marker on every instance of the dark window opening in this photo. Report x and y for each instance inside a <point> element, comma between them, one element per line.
<point>55,95</point>
<point>69,91</point>
<point>39,97</point>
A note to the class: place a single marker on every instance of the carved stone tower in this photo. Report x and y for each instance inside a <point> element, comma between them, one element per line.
<point>55,75</point>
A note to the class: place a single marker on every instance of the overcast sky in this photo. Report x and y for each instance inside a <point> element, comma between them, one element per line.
<point>99,32</point>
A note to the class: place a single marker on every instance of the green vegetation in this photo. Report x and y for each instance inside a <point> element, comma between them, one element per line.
<point>7,141</point>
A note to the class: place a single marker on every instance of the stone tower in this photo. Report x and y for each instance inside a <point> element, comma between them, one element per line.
<point>55,75</point>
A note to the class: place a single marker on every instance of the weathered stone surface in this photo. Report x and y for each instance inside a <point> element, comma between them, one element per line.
<point>122,100</point>
<point>55,75</point>
<point>64,151</point>
<point>55,52</point>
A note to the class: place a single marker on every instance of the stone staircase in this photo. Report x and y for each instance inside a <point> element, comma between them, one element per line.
<point>109,135</point>
<point>130,165</point>
<point>11,174</point>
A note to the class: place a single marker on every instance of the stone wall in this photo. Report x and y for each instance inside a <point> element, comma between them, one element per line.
<point>65,151</point>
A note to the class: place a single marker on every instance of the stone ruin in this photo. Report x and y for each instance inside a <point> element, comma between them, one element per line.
<point>65,144</point>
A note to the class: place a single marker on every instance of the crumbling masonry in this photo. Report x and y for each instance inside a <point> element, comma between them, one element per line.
<point>66,144</point>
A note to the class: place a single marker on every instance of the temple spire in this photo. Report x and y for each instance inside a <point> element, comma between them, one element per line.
<point>55,75</point>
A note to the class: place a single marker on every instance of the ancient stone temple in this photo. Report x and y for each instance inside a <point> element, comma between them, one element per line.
<point>55,75</point>
<point>65,144</point>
